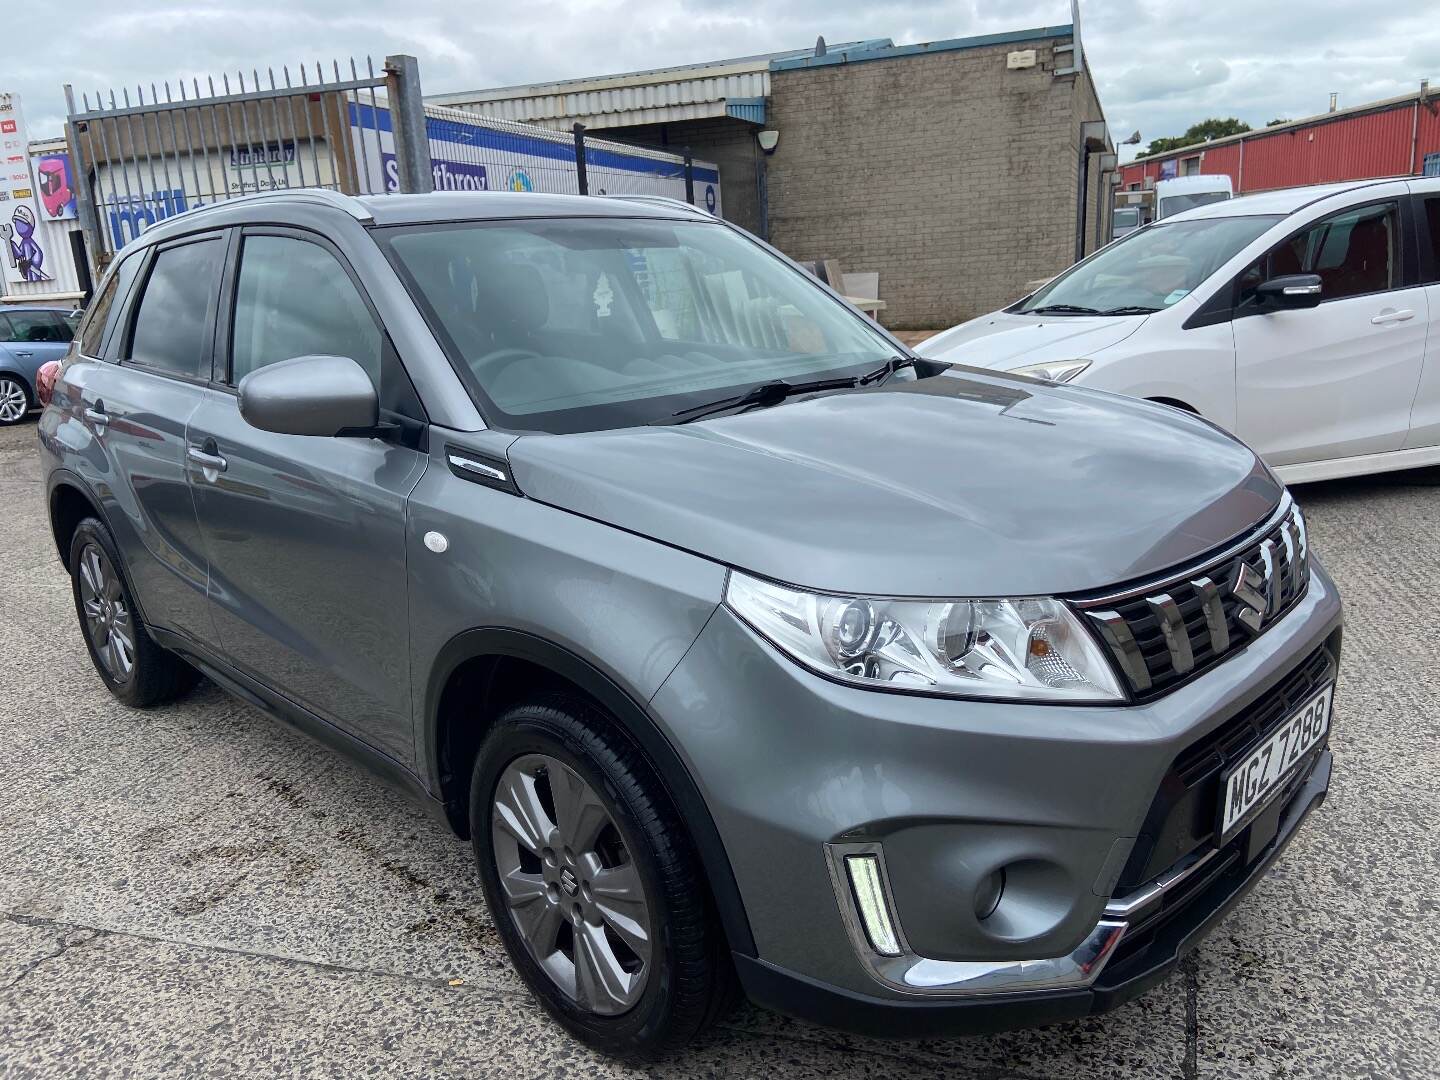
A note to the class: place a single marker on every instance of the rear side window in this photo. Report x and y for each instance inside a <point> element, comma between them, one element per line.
<point>103,311</point>
<point>32,327</point>
<point>172,324</point>
<point>1432,219</point>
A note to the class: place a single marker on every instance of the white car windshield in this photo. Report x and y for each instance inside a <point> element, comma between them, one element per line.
<point>1148,270</point>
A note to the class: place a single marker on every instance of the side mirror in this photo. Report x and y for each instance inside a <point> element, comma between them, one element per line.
<point>310,395</point>
<point>1290,291</point>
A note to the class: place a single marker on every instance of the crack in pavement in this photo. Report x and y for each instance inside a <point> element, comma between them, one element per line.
<point>1190,1065</point>
<point>64,943</point>
<point>819,1037</point>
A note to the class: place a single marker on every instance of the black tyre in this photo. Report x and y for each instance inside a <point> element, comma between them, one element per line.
<point>134,668</point>
<point>593,884</point>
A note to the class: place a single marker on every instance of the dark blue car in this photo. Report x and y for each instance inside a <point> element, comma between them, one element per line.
<point>29,336</point>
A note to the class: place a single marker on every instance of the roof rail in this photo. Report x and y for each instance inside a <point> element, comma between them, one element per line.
<point>663,200</point>
<point>348,203</point>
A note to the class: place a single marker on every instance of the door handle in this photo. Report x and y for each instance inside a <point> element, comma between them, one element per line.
<point>25,354</point>
<point>1393,316</point>
<point>97,417</point>
<point>210,464</point>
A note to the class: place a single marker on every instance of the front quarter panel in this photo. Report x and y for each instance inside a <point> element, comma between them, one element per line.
<point>626,605</point>
<point>1165,361</point>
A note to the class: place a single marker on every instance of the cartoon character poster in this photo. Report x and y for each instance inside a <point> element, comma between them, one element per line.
<point>20,252</point>
<point>52,181</point>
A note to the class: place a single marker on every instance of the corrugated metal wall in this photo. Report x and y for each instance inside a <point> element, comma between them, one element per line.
<point>1354,148</point>
<point>1388,142</point>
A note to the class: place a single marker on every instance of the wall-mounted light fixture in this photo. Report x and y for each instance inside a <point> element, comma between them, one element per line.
<point>768,140</point>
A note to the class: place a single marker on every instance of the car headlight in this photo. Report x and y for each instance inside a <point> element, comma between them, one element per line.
<point>1053,370</point>
<point>1027,649</point>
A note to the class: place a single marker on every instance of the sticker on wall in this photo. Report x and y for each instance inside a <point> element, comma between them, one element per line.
<point>57,193</point>
<point>520,181</point>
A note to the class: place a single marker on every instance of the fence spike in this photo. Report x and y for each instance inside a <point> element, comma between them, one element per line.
<point>126,92</point>
<point>271,73</point>
<point>285,70</point>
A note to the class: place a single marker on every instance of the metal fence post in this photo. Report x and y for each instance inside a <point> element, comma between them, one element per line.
<point>84,197</point>
<point>580,178</point>
<point>689,178</point>
<point>407,117</point>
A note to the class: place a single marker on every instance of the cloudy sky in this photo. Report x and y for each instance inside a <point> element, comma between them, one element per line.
<point>1160,65</point>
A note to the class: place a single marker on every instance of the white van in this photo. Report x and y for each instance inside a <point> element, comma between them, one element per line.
<point>1307,321</point>
<point>1188,192</point>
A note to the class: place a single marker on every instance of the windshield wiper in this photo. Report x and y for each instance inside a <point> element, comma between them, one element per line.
<point>1130,309</point>
<point>885,370</point>
<point>1061,309</point>
<point>766,393</point>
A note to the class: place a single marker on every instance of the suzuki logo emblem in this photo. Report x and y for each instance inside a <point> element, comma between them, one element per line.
<point>1247,588</point>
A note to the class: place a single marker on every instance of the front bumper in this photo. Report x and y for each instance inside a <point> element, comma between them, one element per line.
<point>1142,954</point>
<point>798,771</point>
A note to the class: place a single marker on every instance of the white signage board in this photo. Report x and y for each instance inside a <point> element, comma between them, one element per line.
<point>21,252</point>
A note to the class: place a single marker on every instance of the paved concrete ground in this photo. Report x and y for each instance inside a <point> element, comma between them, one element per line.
<point>195,890</point>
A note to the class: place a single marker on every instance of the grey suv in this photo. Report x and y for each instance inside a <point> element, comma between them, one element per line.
<point>748,650</point>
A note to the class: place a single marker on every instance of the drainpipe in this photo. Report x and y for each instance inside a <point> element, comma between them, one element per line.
<point>1091,132</point>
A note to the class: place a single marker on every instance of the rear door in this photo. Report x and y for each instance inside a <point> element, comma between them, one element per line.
<point>1335,380</point>
<point>1425,416</point>
<point>136,408</point>
<point>306,535</point>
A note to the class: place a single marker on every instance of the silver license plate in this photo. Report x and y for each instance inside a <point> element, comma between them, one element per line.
<point>1249,785</point>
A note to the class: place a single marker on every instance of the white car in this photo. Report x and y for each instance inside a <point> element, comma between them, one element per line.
<point>1307,321</point>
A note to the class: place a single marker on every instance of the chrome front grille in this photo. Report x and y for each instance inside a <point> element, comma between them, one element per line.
<point>1168,631</point>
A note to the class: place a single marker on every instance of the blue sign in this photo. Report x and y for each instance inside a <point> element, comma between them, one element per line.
<point>130,215</point>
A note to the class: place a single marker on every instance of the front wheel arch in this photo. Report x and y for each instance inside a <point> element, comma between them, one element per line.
<point>464,696</point>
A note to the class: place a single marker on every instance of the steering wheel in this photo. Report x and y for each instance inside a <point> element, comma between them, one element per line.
<point>501,359</point>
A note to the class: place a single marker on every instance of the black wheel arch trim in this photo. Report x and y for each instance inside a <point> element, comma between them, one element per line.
<point>637,722</point>
<point>66,478</point>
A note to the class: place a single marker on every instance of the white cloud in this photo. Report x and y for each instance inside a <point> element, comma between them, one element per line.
<point>1159,66</point>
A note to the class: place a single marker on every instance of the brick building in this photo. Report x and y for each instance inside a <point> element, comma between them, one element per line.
<point>952,168</point>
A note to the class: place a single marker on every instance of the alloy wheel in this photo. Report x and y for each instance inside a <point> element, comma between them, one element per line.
<point>108,622</point>
<point>570,884</point>
<point>14,403</point>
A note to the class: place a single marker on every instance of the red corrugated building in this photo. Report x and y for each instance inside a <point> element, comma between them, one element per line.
<point>1398,137</point>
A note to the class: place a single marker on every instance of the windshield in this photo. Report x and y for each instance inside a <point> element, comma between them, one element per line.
<point>1175,204</point>
<point>1148,269</point>
<point>579,324</point>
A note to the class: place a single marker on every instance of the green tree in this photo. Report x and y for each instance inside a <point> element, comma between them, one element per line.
<point>1214,128</point>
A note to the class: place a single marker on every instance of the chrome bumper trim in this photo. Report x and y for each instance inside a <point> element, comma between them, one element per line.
<point>915,974</point>
<point>1124,907</point>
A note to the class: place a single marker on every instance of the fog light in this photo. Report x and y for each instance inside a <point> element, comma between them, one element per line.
<point>864,871</point>
<point>987,896</point>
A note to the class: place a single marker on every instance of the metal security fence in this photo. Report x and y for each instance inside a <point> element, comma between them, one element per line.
<point>140,159</point>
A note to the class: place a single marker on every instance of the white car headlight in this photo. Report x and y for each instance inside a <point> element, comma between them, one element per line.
<point>1053,370</point>
<point>1027,649</point>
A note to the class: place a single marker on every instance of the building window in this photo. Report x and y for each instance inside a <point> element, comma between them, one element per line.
<point>1190,166</point>
<point>1431,166</point>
